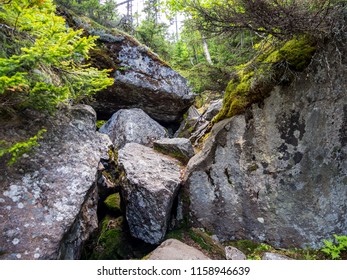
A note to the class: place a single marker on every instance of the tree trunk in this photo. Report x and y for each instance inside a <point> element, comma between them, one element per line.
<point>206,51</point>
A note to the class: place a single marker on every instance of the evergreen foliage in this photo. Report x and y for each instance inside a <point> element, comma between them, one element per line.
<point>42,64</point>
<point>20,148</point>
<point>49,69</point>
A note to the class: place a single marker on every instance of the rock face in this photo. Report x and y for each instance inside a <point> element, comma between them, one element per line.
<point>132,126</point>
<point>278,173</point>
<point>142,79</point>
<point>173,249</point>
<point>179,148</point>
<point>149,186</point>
<point>48,200</point>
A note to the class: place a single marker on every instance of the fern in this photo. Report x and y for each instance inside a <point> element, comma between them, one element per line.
<point>335,248</point>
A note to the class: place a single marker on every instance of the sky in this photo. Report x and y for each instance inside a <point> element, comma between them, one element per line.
<point>138,7</point>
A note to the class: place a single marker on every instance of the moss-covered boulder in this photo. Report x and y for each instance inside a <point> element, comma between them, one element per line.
<point>254,81</point>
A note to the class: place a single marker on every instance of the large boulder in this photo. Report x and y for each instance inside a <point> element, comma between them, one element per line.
<point>173,249</point>
<point>48,199</point>
<point>278,172</point>
<point>132,126</point>
<point>150,183</point>
<point>142,79</point>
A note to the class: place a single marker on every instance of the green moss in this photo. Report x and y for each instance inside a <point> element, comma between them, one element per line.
<point>172,153</point>
<point>176,234</point>
<point>111,242</point>
<point>298,53</point>
<point>254,81</point>
<point>252,167</point>
<point>100,123</point>
<point>113,202</point>
<point>206,242</point>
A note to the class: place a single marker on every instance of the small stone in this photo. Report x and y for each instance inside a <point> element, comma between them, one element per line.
<point>232,253</point>
<point>274,256</point>
<point>173,249</point>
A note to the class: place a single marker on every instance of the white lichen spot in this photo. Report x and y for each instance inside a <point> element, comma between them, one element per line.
<point>36,256</point>
<point>15,241</point>
<point>18,256</point>
<point>2,200</point>
<point>26,225</point>
<point>20,205</point>
<point>8,207</point>
<point>260,220</point>
<point>14,192</point>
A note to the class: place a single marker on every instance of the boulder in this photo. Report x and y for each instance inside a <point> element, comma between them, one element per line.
<point>173,249</point>
<point>132,126</point>
<point>179,148</point>
<point>232,253</point>
<point>150,184</point>
<point>48,198</point>
<point>142,79</point>
<point>275,257</point>
<point>213,109</point>
<point>278,172</point>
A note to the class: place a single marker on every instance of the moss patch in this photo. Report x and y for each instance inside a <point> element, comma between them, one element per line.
<point>254,81</point>
<point>110,242</point>
<point>172,152</point>
<point>113,202</point>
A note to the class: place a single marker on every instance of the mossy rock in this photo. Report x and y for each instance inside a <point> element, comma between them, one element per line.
<point>111,242</point>
<point>253,82</point>
<point>206,242</point>
<point>113,202</point>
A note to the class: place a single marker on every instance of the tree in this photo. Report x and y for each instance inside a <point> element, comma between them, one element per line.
<point>44,66</point>
<point>50,68</point>
<point>281,19</point>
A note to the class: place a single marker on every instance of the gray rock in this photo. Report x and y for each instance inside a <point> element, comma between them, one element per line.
<point>275,257</point>
<point>132,126</point>
<point>193,127</point>
<point>232,253</point>
<point>173,249</point>
<point>278,173</point>
<point>142,79</point>
<point>48,198</point>
<point>179,148</point>
<point>213,109</point>
<point>149,186</point>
